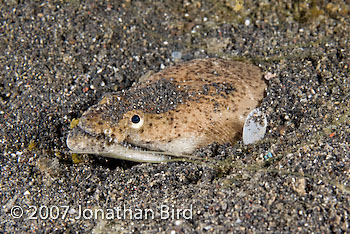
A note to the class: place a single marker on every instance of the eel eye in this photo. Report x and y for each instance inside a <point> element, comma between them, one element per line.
<point>136,121</point>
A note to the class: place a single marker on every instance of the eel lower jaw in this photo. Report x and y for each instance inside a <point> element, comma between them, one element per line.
<point>81,142</point>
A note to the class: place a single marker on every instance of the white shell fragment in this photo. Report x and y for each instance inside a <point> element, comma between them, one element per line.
<point>254,128</point>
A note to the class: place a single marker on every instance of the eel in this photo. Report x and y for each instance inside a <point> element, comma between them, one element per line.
<point>171,113</point>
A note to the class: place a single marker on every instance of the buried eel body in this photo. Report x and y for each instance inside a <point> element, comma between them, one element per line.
<point>172,112</point>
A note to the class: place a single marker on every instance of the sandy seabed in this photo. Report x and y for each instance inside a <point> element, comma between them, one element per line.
<point>59,58</point>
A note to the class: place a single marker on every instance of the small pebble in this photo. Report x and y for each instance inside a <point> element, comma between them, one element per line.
<point>176,55</point>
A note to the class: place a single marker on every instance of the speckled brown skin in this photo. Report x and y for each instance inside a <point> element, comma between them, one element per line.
<point>181,108</point>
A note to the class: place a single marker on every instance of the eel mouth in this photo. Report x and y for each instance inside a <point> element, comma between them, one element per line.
<point>82,142</point>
